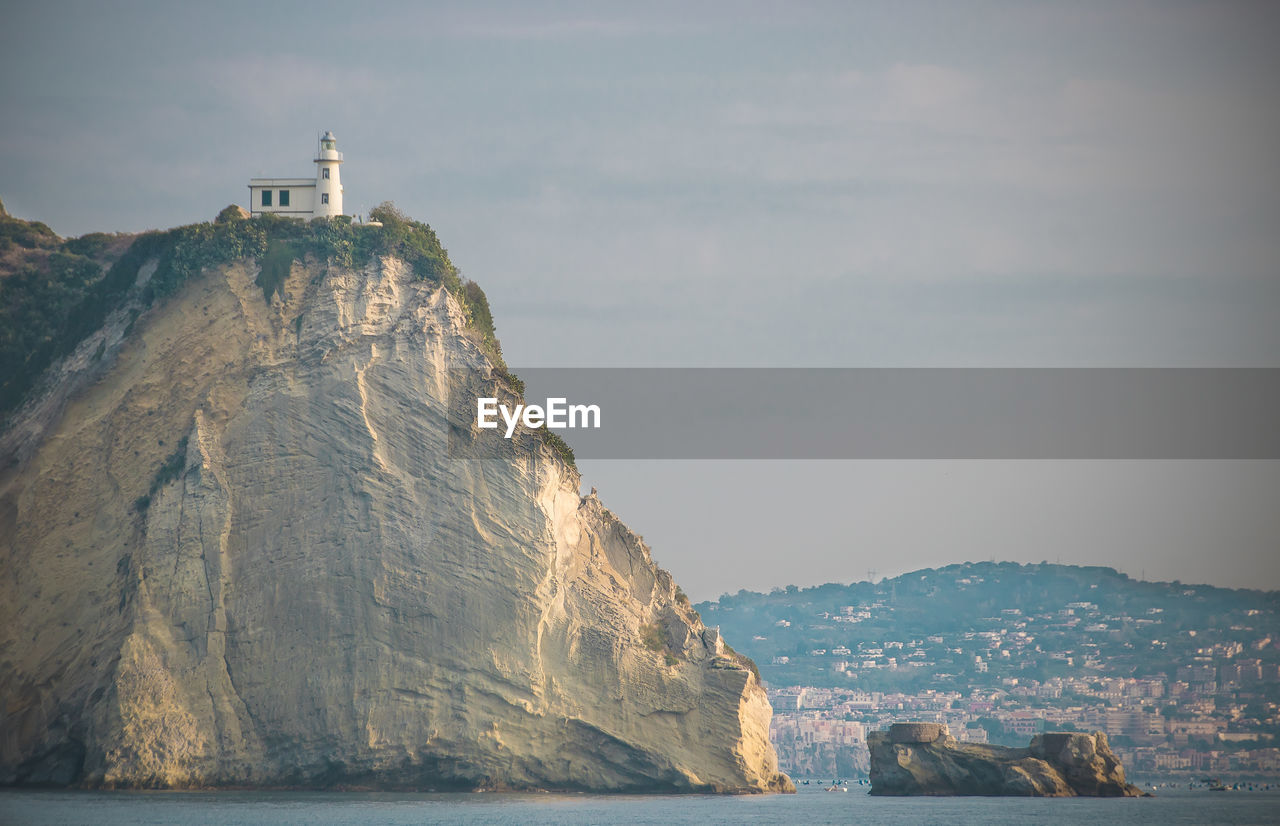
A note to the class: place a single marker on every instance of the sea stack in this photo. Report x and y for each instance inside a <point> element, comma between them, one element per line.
<point>924,759</point>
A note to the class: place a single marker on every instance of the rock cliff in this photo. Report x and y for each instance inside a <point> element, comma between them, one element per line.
<point>924,759</point>
<point>243,556</point>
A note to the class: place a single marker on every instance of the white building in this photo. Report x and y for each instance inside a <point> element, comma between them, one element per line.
<point>318,197</point>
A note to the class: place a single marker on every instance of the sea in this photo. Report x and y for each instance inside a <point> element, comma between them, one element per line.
<point>811,806</point>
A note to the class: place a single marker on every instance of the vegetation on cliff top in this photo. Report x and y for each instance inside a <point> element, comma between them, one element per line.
<point>54,292</point>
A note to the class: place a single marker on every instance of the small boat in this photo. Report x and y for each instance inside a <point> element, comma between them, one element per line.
<point>836,787</point>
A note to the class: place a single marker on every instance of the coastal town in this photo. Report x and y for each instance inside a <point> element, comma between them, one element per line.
<point>1184,680</point>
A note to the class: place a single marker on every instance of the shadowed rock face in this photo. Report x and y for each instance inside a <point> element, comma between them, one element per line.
<point>924,759</point>
<point>316,594</point>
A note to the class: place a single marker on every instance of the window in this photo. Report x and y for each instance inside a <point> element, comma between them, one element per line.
<point>324,197</point>
<point>266,197</point>
<point>284,197</point>
<point>324,173</point>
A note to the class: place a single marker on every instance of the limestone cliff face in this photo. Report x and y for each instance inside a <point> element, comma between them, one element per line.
<point>924,759</point>
<point>316,593</point>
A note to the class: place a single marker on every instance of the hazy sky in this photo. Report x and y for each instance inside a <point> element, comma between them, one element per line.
<point>841,184</point>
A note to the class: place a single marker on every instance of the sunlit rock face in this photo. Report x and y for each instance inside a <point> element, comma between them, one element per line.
<point>244,556</point>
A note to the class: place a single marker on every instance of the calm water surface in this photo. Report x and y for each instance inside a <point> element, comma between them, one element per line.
<point>811,807</point>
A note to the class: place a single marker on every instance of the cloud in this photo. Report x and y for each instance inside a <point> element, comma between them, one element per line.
<point>552,29</point>
<point>928,88</point>
<point>280,85</point>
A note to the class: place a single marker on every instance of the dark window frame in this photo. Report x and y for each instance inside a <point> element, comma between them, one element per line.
<point>324,197</point>
<point>284,197</point>
<point>266,197</point>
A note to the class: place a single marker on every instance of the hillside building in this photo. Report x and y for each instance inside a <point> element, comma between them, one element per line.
<point>318,197</point>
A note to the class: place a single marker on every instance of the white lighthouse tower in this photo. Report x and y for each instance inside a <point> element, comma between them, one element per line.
<point>306,198</point>
<point>328,200</point>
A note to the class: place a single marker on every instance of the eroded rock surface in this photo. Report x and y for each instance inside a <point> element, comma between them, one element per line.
<point>317,594</point>
<point>924,759</point>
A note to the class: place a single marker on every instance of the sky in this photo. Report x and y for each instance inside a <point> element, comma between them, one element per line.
<point>954,184</point>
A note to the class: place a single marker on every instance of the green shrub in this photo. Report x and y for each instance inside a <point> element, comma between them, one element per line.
<point>334,239</point>
<point>230,213</point>
<point>414,243</point>
<point>514,382</point>
<point>46,308</point>
<point>559,446</point>
<point>187,251</point>
<point>479,314</point>
<point>654,639</point>
<point>26,234</point>
<point>93,245</point>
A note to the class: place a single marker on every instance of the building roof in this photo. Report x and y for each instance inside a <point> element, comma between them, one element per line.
<point>291,182</point>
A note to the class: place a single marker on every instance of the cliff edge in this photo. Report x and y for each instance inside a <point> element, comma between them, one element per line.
<point>242,555</point>
<point>924,759</point>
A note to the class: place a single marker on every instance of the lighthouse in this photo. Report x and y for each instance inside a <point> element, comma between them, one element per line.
<point>318,197</point>
<point>328,181</point>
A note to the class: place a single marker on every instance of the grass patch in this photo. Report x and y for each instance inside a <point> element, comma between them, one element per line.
<point>742,660</point>
<point>558,446</point>
<point>275,267</point>
<point>654,639</point>
<point>651,636</point>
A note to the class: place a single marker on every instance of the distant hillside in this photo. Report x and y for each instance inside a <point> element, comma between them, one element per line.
<point>980,623</point>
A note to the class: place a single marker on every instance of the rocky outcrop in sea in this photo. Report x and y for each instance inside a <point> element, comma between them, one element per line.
<point>924,759</point>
